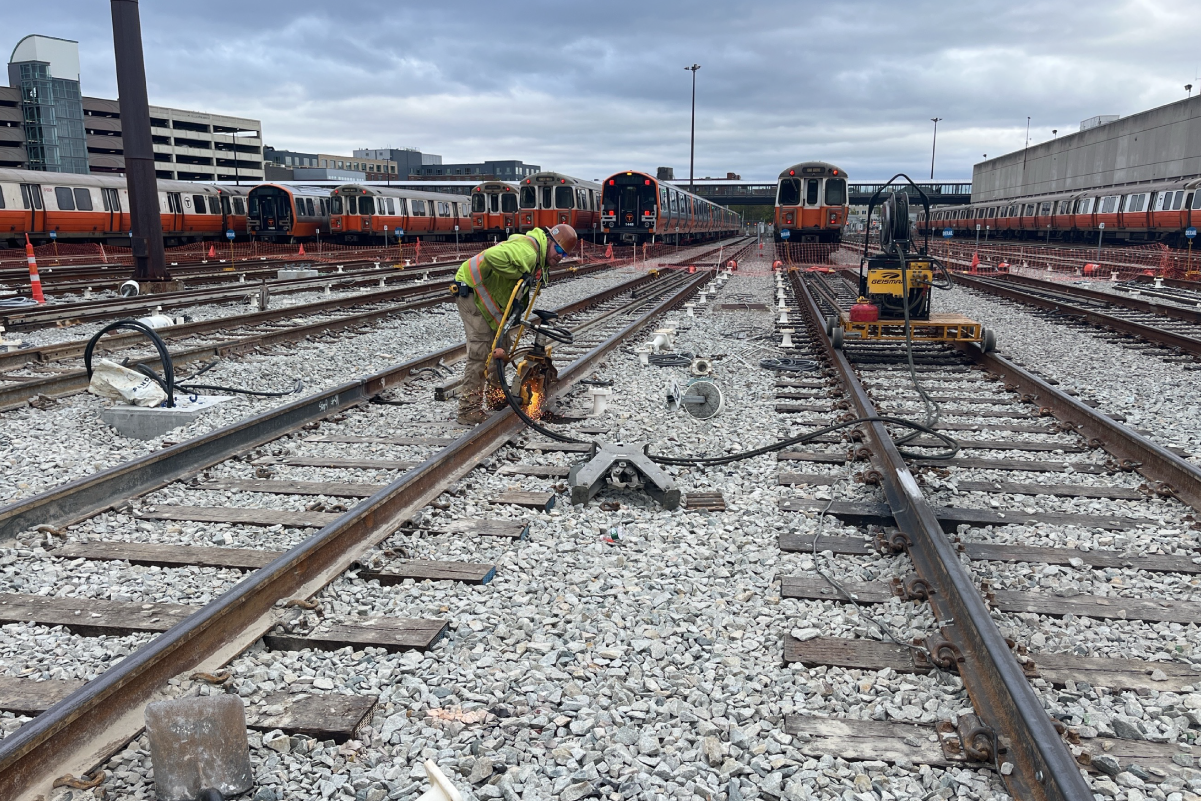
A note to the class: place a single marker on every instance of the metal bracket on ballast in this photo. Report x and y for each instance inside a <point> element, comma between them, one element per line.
<point>623,466</point>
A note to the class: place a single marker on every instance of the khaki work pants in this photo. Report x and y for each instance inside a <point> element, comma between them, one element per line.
<point>479,337</point>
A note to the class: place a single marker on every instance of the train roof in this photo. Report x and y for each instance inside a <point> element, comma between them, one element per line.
<point>546,178</point>
<point>397,191</point>
<point>494,185</point>
<point>314,190</point>
<point>812,168</point>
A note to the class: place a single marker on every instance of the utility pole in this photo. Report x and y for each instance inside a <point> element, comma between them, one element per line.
<point>692,135</point>
<point>146,227</point>
<point>934,146</point>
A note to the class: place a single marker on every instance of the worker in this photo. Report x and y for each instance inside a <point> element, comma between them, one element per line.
<point>483,285</point>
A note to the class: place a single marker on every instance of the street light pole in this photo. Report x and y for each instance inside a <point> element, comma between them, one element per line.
<point>692,134</point>
<point>934,146</point>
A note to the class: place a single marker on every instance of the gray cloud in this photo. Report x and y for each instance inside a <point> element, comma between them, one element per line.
<point>593,88</point>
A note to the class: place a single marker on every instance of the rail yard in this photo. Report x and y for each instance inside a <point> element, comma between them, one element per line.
<point>379,478</point>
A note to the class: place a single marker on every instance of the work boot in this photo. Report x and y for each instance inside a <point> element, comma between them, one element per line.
<point>470,411</point>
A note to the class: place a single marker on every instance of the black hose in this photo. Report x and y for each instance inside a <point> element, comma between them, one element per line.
<point>789,365</point>
<point>215,388</point>
<point>781,444</point>
<point>670,359</point>
<point>164,356</point>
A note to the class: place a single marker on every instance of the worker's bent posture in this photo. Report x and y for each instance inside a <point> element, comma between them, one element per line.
<point>484,284</point>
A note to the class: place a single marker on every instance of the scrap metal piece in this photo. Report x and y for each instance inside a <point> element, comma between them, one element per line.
<point>622,466</point>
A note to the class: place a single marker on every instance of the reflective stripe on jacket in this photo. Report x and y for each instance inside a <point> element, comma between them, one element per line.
<point>494,272</point>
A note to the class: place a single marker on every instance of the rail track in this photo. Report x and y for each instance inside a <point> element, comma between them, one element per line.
<point>1035,466</point>
<point>1163,324</point>
<point>92,722</point>
<point>41,371</point>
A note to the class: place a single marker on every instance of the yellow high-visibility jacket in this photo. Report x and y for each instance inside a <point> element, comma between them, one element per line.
<point>493,273</point>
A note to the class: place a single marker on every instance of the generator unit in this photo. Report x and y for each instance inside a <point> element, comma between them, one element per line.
<point>896,285</point>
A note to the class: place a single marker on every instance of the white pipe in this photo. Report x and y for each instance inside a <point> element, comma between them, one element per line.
<point>786,342</point>
<point>644,355</point>
<point>691,307</point>
<point>784,317</point>
<point>1158,282</point>
<point>1113,276</point>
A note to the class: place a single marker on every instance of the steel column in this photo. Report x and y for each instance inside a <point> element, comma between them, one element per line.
<point>149,258</point>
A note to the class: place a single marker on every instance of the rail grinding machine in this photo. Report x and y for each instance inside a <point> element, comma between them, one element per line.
<point>895,285</point>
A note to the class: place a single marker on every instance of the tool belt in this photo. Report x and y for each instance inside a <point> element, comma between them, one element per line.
<point>460,289</point>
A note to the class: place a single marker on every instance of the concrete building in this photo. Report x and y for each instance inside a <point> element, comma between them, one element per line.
<point>511,170</point>
<point>407,159</point>
<point>309,166</point>
<point>1160,144</point>
<point>47,124</point>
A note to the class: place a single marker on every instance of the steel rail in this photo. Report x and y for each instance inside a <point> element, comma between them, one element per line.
<point>96,720</point>
<point>1043,767</point>
<point>75,381</point>
<point>86,496</point>
<point>1150,333</point>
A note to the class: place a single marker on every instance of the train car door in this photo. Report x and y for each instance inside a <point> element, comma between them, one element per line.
<point>174,215</point>
<point>508,207</point>
<point>112,208</point>
<point>811,215</point>
<point>31,199</point>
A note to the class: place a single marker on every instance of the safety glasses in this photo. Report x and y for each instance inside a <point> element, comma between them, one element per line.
<point>558,249</point>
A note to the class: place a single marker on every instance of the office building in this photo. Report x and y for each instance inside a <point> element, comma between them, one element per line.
<point>511,170</point>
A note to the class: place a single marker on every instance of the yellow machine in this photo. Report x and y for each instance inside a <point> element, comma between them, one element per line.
<point>896,285</point>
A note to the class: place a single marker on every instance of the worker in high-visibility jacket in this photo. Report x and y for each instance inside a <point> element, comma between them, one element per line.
<point>483,285</point>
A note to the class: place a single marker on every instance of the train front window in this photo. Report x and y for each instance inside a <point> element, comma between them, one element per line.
<point>367,205</point>
<point>352,204</point>
<point>335,205</point>
<point>494,203</point>
<point>547,203</point>
<point>477,203</point>
<point>836,192</point>
<point>529,198</point>
<point>563,195</point>
<point>811,192</point>
<point>508,203</point>
<point>790,192</point>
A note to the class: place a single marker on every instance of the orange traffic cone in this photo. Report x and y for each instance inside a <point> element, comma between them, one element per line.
<point>212,252</point>
<point>35,281</point>
<point>301,253</point>
<point>975,262</point>
<point>609,252</point>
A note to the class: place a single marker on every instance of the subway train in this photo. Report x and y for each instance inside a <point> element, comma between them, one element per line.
<point>359,212</point>
<point>1146,212</point>
<point>95,208</point>
<point>494,209</point>
<point>636,207</point>
<point>550,198</point>
<point>811,203</point>
<point>287,211</point>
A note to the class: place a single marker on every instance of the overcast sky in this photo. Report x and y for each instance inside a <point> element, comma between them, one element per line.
<point>592,88</point>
